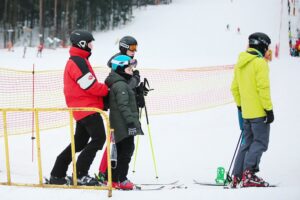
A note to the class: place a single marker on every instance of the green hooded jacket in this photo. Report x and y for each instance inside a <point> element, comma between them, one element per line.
<point>251,84</point>
<point>122,105</point>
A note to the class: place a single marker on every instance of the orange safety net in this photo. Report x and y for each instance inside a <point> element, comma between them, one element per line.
<point>175,91</point>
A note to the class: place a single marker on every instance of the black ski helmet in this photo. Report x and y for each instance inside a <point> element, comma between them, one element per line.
<point>259,41</point>
<point>125,43</point>
<point>81,39</point>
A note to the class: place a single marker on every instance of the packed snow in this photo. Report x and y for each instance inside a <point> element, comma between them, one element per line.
<point>186,33</point>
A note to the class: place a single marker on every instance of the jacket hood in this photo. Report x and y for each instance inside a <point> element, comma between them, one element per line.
<point>247,57</point>
<point>113,77</point>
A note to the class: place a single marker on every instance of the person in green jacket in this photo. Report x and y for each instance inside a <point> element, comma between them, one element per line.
<point>251,91</point>
<point>123,116</point>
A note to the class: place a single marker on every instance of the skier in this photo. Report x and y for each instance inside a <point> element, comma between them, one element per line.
<point>251,91</point>
<point>127,46</point>
<point>40,48</point>
<point>81,89</point>
<point>123,116</point>
<point>227,27</point>
<point>297,47</point>
<point>25,44</point>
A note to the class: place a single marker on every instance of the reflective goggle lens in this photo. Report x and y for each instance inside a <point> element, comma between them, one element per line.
<point>133,63</point>
<point>132,47</point>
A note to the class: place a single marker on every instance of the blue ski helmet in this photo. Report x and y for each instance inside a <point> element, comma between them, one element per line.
<point>121,62</point>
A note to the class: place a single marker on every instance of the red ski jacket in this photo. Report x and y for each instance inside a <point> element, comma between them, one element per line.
<point>81,87</point>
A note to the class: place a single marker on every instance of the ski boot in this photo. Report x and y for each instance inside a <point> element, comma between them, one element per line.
<point>249,179</point>
<point>125,185</point>
<point>235,183</point>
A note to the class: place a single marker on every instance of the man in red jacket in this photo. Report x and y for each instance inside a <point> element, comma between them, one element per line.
<point>81,89</point>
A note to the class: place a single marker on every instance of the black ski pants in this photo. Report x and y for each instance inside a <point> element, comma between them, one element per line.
<point>89,127</point>
<point>125,149</point>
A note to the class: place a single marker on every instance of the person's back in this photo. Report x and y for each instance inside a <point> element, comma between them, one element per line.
<point>253,89</point>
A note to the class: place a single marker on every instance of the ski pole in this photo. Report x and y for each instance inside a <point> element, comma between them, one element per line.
<point>137,146</point>
<point>241,123</point>
<point>228,177</point>
<point>150,139</point>
<point>147,88</point>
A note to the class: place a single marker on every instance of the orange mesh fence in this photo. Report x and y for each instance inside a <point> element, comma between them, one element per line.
<point>177,90</point>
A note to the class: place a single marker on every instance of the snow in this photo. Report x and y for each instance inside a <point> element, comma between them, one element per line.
<point>186,33</point>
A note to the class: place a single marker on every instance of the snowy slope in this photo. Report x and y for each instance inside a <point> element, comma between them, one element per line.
<point>187,33</point>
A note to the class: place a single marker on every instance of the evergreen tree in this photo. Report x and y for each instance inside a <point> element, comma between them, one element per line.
<point>56,18</point>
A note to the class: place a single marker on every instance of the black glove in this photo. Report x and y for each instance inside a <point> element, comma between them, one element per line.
<point>239,108</point>
<point>141,89</point>
<point>131,129</point>
<point>140,101</point>
<point>270,116</point>
<point>136,75</point>
<point>106,102</point>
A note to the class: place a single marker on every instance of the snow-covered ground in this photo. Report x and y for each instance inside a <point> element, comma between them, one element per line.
<point>186,33</point>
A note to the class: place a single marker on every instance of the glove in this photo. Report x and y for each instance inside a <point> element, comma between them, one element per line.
<point>136,75</point>
<point>142,90</point>
<point>241,120</point>
<point>131,129</point>
<point>106,102</point>
<point>270,116</point>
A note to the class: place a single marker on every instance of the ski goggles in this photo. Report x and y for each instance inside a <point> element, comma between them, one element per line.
<point>131,47</point>
<point>129,63</point>
<point>133,63</point>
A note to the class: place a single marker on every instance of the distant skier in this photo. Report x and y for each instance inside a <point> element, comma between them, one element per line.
<point>40,48</point>
<point>10,46</point>
<point>298,33</point>
<point>25,44</point>
<point>227,27</point>
<point>297,47</point>
<point>251,91</point>
<point>238,30</point>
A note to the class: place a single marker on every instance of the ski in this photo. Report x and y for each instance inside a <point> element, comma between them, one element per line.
<point>162,184</point>
<point>226,186</point>
<point>271,185</point>
<point>207,183</point>
<point>143,188</point>
<point>181,186</point>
